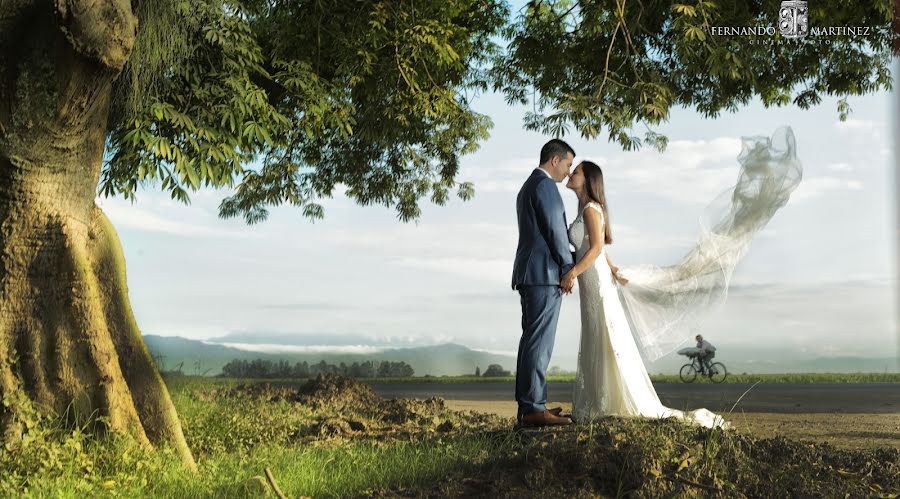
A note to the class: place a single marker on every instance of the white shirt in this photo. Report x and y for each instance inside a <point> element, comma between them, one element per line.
<point>545,172</point>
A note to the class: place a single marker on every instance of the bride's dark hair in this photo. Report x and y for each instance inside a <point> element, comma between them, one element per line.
<point>593,184</point>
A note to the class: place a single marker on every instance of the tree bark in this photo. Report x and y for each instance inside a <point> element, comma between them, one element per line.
<point>68,338</point>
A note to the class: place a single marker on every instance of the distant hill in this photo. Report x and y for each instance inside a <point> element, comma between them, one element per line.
<point>197,357</point>
<point>263,337</point>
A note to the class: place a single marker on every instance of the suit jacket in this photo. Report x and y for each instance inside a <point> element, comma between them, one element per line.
<point>543,254</point>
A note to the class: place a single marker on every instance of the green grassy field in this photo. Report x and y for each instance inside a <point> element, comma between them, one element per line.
<point>335,437</point>
<point>793,378</point>
<point>656,378</point>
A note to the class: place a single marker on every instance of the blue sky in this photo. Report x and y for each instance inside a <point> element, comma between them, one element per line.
<point>819,280</point>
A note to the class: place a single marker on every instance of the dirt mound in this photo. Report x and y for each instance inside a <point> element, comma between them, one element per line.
<point>659,458</point>
<point>263,391</point>
<point>333,408</point>
<point>336,393</point>
<point>821,469</point>
<point>329,392</point>
<point>402,411</point>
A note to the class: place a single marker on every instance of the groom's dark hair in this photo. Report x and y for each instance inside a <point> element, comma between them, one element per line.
<point>555,147</point>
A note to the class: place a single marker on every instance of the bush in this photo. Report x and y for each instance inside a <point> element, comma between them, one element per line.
<point>261,368</point>
<point>495,371</point>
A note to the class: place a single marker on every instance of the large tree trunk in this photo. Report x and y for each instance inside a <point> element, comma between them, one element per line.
<point>68,338</point>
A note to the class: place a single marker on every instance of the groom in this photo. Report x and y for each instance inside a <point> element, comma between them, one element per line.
<point>543,256</point>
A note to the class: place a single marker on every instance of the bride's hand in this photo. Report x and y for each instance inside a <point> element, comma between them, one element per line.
<point>621,280</point>
<point>567,282</point>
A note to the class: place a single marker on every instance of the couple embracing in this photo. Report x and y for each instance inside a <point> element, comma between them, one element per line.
<point>656,306</point>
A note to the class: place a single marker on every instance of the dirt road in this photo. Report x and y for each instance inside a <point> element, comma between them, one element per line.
<point>846,415</point>
<point>806,398</point>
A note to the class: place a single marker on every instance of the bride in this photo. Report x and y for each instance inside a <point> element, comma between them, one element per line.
<point>661,307</point>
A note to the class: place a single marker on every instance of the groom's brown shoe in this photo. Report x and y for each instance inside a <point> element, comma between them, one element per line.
<point>557,411</point>
<point>545,418</point>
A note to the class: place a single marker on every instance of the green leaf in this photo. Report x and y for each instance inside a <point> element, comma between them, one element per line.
<point>684,9</point>
<point>192,175</point>
<point>249,129</point>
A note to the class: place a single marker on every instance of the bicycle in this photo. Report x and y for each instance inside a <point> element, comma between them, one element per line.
<point>688,373</point>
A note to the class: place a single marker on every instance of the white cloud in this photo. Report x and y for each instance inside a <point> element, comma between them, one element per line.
<point>477,240</point>
<point>182,328</point>
<point>274,348</point>
<point>689,171</point>
<point>489,270</point>
<point>815,187</point>
<point>861,126</point>
<point>498,186</point>
<point>850,314</point>
<point>636,238</point>
<point>840,167</point>
<point>508,353</point>
<point>482,251</point>
<point>505,176</point>
<point>140,219</point>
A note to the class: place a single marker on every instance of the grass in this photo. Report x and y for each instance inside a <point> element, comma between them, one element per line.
<point>793,378</point>
<point>339,471</point>
<point>336,438</point>
<point>236,431</point>
<point>656,378</point>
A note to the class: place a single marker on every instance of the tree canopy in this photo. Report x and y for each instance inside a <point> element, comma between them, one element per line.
<point>284,100</point>
<point>609,65</point>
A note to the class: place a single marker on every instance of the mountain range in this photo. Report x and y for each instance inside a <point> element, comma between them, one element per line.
<point>198,357</point>
<point>208,357</point>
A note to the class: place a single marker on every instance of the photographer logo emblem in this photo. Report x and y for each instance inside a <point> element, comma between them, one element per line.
<point>793,19</point>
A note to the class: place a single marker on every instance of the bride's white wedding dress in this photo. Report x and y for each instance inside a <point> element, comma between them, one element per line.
<point>611,379</point>
<point>662,307</point>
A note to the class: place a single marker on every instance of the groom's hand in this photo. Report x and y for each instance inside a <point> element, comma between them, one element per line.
<point>567,282</point>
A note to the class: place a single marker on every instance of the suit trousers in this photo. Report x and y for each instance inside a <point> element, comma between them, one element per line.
<point>540,314</point>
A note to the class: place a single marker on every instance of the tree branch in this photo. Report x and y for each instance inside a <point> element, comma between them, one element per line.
<point>101,30</point>
<point>274,485</point>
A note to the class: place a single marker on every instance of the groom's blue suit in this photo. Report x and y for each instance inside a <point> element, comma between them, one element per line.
<point>542,257</point>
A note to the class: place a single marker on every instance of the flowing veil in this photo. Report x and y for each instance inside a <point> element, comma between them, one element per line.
<point>667,305</point>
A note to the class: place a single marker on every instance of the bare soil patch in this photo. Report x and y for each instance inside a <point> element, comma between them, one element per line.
<point>343,409</point>
<point>849,431</point>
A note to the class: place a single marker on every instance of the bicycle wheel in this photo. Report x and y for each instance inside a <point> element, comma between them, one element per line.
<point>688,374</point>
<point>719,373</point>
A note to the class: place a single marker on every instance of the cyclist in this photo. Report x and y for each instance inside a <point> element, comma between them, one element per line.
<point>707,352</point>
